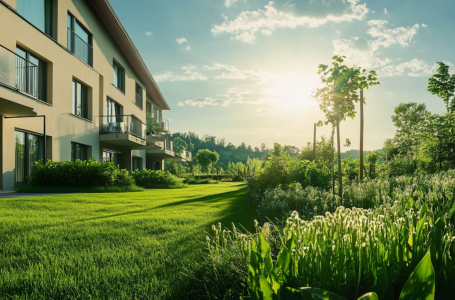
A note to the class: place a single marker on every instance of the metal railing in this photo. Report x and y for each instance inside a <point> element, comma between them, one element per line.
<point>162,125</point>
<point>18,73</point>
<point>188,155</point>
<point>139,100</point>
<point>123,124</point>
<point>79,47</point>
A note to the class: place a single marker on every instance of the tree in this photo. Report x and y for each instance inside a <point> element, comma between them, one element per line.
<point>207,158</point>
<point>442,84</point>
<point>179,145</point>
<point>409,118</point>
<point>338,96</point>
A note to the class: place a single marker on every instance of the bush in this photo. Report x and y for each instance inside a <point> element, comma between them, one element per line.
<point>79,173</point>
<point>156,179</point>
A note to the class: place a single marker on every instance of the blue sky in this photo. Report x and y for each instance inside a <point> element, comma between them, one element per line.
<point>245,70</point>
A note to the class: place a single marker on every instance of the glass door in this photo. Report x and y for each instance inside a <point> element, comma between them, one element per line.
<point>29,149</point>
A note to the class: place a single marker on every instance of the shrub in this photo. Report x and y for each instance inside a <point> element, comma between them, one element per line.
<point>79,173</point>
<point>156,179</point>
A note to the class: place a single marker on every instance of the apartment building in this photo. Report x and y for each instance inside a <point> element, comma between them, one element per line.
<point>74,86</point>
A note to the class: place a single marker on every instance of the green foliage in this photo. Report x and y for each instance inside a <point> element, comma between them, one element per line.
<point>156,179</point>
<point>150,123</point>
<point>179,145</point>
<point>421,284</point>
<point>442,84</point>
<point>207,158</point>
<point>79,174</point>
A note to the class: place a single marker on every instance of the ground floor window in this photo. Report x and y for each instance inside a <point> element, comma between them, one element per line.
<point>29,149</point>
<point>157,165</point>
<point>112,156</point>
<point>79,151</point>
<point>137,163</point>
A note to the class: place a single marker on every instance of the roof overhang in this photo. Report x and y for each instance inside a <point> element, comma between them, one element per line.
<point>117,32</point>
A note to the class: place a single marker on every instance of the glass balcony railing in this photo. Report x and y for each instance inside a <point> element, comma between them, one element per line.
<point>139,100</point>
<point>18,73</point>
<point>188,155</point>
<point>79,47</point>
<point>162,125</point>
<point>123,124</point>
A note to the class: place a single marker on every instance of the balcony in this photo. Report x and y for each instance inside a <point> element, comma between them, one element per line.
<point>155,141</point>
<point>18,73</point>
<point>80,48</point>
<point>123,130</point>
<point>162,125</point>
<point>165,152</point>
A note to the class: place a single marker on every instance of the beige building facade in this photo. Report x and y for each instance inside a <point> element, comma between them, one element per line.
<point>74,86</point>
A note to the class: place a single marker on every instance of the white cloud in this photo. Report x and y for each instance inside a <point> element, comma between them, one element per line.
<point>181,40</point>
<point>189,74</point>
<point>233,73</point>
<point>413,68</point>
<point>264,110</point>
<point>231,96</point>
<point>228,3</point>
<point>188,48</point>
<point>386,11</point>
<point>366,52</point>
<point>248,23</point>
<point>148,33</point>
<point>424,25</point>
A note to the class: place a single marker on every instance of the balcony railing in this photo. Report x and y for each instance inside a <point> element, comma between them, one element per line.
<point>123,124</point>
<point>79,47</point>
<point>188,155</point>
<point>18,73</point>
<point>162,125</point>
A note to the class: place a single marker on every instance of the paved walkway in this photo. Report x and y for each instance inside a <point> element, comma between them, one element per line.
<point>13,194</point>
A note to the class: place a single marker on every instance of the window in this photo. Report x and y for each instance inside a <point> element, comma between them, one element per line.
<point>137,163</point>
<point>79,151</point>
<point>80,100</point>
<point>29,149</point>
<point>31,74</point>
<point>112,156</point>
<point>148,108</point>
<point>139,93</point>
<point>37,12</point>
<point>119,77</point>
<point>79,40</point>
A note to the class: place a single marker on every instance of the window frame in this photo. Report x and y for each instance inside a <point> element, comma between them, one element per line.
<point>120,75</point>
<point>84,100</point>
<point>84,149</point>
<point>49,29</point>
<point>42,74</point>
<point>137,159</point>
<point>27,169</point>
<point>71,37</point>
<point>141,96</point>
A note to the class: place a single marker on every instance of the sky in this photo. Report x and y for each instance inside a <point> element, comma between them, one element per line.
<point>245,70</point>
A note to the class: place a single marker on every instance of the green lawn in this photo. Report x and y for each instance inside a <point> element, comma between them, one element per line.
<point>112,246</point>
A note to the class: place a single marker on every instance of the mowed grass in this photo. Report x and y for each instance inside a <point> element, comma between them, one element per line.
<point>112,246</point>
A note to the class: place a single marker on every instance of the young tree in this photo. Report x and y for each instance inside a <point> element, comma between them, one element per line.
<point>442,84</point>
<point>338,96</point>
<point>207,158</point>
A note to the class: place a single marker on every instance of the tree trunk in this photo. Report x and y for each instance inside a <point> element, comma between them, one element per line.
<point>314,143</point>
<point>361,134</point>
<point>340,175</point>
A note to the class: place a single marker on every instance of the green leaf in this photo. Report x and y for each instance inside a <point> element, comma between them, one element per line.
<point>266,289</point>
<point>369,296</point>
<point>421,284</point>
<point>317,294</point>
<point>290,294</point>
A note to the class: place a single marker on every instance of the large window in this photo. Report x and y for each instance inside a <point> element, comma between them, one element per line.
<point>79,151</point>
<point>119,77</point>
<point>37,12</point>
<point>29,149</point>
<point>112,156</point>
<point>80,100</point>
<point>79,40</point>
<point>31,74</point>
<point>139,93</point>
<point>137,163</point>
